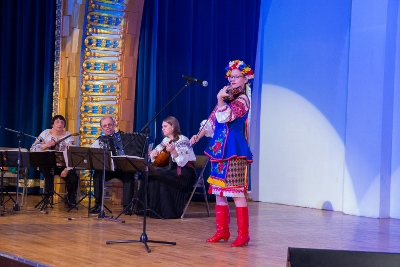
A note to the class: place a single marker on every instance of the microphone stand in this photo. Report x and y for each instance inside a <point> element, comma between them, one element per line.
<point>158,113</point>
<point>19,135</point>
<point>143,238</point>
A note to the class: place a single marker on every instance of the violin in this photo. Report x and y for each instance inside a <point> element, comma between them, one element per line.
<point>233,92</point>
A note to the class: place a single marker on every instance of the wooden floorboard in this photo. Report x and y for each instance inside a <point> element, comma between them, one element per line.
<point>52,239</point>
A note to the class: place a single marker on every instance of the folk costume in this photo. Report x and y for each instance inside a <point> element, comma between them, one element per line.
<point>230,155</point>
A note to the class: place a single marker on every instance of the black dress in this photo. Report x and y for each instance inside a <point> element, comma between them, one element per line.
<point>167,193</point>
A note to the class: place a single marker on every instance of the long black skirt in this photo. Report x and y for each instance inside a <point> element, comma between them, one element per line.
<point>167,193</point>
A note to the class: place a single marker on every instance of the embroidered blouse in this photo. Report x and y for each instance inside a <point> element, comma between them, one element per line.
<point>227,113</point>
<point>182,147</point>
<point>226,127</point>
<point>46,136</point>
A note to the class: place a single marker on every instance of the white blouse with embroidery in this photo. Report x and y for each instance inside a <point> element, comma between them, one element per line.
<point>46,136</point>
<point>227,113</point>
<point>182,147</point>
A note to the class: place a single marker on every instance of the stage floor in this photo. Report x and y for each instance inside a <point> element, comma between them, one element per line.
<point>52,239</point>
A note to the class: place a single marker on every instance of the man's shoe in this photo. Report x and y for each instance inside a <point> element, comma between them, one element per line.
<point>96,209</point>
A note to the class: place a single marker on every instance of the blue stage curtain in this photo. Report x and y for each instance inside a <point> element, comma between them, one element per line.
<point>26,68</point>
<point>195,38</point>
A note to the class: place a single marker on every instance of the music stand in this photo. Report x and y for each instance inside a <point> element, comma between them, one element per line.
<point>132,164</point>
<point>91,159</point>
<point>19,156</point>
<point>143,238</point>
<point>47,159</point>
<point>19,159</point>
<point>2,202</point>
<point>81,158</point>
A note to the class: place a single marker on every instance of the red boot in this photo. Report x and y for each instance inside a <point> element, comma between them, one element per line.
<point>222,220</point>
<point>242,215</point>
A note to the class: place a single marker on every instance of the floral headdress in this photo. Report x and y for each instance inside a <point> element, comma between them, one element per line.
<point>240,65</point>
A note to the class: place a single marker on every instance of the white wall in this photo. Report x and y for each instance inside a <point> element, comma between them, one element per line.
<point>394,211</point>
<point>326,93</point>
<point>302,156</point>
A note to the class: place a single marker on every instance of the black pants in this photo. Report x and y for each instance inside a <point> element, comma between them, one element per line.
<point>71,180</point>
<point>128,181</point>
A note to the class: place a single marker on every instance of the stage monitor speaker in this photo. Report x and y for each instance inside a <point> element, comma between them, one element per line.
<point>307,257</point>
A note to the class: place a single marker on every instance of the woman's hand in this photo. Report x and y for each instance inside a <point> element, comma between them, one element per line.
<point>224,92</point>
<point>48,144</point>
<point>194,139</point>
<point>154,153</point>
<point>171,149</point>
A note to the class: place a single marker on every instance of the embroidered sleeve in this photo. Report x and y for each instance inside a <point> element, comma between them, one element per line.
<point>182,147</point>
<point>43,137</point>
<point>235,109</point>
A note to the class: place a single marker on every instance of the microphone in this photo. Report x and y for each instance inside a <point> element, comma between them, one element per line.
<point>191,79</point>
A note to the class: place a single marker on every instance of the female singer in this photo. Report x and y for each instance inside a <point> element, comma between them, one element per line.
<point>229,152</point>
<point>168,190</point>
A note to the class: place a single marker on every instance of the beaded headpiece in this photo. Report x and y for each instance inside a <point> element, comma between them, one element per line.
<point>240,65</point>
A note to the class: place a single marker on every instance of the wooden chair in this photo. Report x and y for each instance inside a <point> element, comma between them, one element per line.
<point>200,165</point>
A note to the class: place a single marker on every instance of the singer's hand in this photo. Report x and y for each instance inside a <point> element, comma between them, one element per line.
<point>224,92</point>
<point>194,139</point>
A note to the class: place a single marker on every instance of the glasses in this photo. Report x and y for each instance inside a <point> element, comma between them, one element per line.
<point>107,125</point>
<point>234,77</point>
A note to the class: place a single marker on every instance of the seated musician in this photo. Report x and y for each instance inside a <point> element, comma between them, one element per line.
<point>57,138</point>
<point>112,141</point>
<point>169,189</point>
